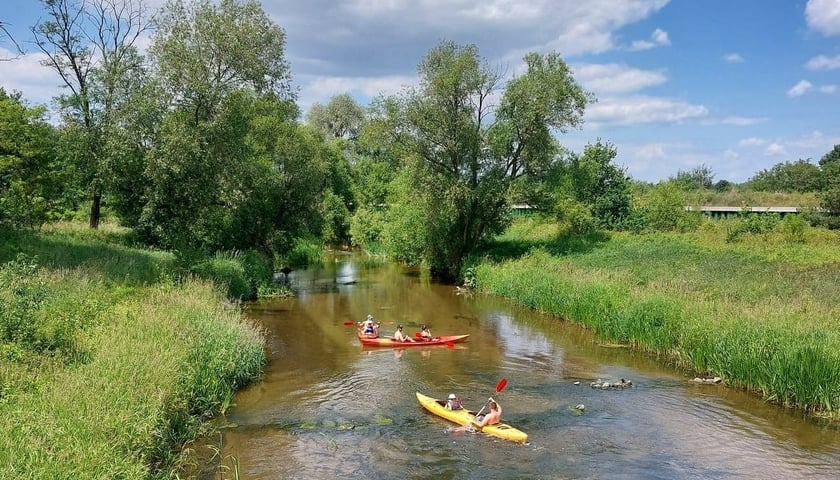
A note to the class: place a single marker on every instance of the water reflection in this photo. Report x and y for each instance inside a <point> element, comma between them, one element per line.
<point>329,408</point>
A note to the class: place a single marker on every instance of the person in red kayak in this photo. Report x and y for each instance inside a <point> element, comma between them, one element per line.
<point>425,333</point>
<point>399,336</point>
<point>492,417</point>
<point>368,327</point>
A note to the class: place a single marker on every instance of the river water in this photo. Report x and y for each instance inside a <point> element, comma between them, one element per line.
<point>328,408</point>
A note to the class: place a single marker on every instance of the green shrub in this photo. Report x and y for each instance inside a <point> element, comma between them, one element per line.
<point>227,272</point>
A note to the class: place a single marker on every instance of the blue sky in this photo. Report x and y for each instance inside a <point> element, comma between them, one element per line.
<point>735,85</point>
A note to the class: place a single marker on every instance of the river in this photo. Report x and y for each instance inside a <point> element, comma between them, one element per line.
<point>328,408</point>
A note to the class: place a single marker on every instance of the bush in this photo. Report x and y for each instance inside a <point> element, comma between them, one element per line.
<point>228,273</point>
<point>793,228</point>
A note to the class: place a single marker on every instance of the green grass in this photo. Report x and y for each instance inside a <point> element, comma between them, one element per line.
<point>760,313</point>
<point>117,364</point>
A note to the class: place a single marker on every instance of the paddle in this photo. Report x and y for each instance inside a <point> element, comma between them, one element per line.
<point>499,387</point>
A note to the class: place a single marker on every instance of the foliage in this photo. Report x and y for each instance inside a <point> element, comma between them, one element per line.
<point>91,46</point>
<point>793,228</point>
<point>663,209</point>
<point>798,176</point>
<point>600,185</point>
<point>206,51</point>
<point>225,271</point>
<point>700,177</point>
<point>468,154</point>
<point>576,215</point>
<point>830,196</point>
<point>31,177</point>
<point>341,117</point>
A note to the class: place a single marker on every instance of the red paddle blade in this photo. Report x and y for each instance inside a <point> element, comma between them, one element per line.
<point>450,344</point>
<point>501,386</point>
<point>348,323</point>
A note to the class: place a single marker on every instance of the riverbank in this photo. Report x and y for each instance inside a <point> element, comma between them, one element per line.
<point>760,313</point>
<point>109,361</point>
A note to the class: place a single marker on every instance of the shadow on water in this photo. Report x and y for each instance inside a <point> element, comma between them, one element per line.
<point>328,408</point>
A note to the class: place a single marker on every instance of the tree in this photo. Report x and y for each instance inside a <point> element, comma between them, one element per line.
<point>5,35</point>
<point>229,168</point>
<point>30,173</point>
<point>600,185</point>
<point>90,45</point>
<point>341,117</point>
<point>798,176</point>
<point>204,52</point>
<point>699,178</point>
<point>830,170</point>
<point>465,153</point>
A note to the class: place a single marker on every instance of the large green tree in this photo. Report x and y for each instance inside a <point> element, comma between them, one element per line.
<point>223,67</point>
<point>31,177</point>
<point>467,140</point>
<point>90,44</point>
<point>798,176</point>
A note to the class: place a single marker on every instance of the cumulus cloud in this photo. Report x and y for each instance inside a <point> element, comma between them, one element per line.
<point>614,78</point>
<point>774,149</point>
<point>822,62</point>
<point>659,38</point>
<point>733,58</point>
<point>823,16</point>
<point>800,89</point>
<point>639,109</point>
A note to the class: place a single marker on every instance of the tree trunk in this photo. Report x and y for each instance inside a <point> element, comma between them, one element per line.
<point>95,206</point>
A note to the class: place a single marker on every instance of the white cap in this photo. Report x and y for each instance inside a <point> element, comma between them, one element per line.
<point>452,396</point>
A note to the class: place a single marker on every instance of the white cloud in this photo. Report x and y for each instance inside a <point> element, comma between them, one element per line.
<point>321,89</point>
<point>658,38</point>
<point>742,121</point>
<point>828,89</point>
<point>642,110</point>
<point>822,62</point>
<point>774,149</point>
<point>730,154</point>
<point>651,151</point>
<point>614,78</point>
<point>799,89</point>
<point>823,16</point>
<point>751,142</point>
<point>26,74</point>
<point>733,58</point>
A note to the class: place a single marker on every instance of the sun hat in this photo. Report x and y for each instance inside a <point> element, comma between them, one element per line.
<point>452,396</point>
<point>370,317</point>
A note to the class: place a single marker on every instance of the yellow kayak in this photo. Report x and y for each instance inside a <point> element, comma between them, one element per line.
<point>465,417</point>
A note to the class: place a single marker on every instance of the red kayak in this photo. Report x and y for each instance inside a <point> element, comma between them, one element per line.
<point>390,342</point>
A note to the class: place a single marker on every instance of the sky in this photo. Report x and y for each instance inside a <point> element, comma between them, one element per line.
<point>736,86</point>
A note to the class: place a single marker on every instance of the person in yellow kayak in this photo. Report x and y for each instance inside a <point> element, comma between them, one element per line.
<point>492,417</point>
<point>453,402</point>
<point>425,333</point>
<point>399,336</point>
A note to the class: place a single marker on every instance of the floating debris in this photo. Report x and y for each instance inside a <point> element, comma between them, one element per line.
<point>712,380</point>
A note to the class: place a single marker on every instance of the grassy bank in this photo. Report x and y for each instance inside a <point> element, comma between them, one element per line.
<point>108,361</point>
<point>761,313</point>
